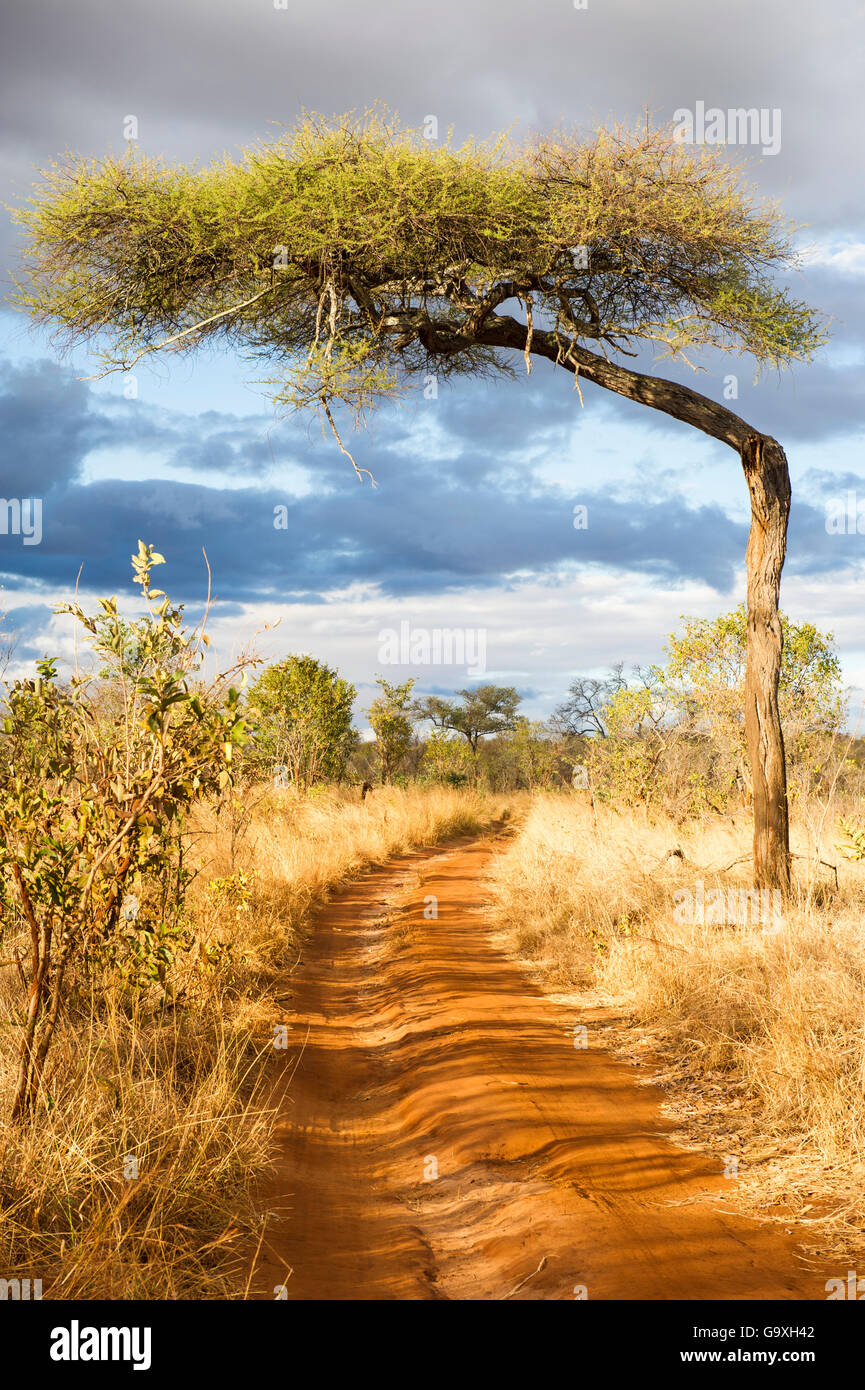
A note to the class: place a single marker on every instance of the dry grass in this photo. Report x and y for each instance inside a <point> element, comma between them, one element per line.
<point>759,1034</point>
<point>176,1084</point>
<point>300,849</point>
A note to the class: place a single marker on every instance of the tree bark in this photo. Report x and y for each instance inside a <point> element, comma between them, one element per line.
<point>765,466</point>
<point>768,479</point>
<point>40,952</point>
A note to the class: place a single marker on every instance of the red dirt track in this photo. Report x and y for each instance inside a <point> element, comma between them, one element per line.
<point>419,1047</point>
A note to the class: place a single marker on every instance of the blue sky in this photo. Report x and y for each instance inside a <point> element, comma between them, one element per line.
<point>471,523</point>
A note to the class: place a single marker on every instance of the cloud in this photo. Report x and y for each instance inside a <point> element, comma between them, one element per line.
<point>432,524</point>
<point>47,428</point>
<point>475,495</point>
<point>848,257</point>
<point>210,75</point>
<point>468,506</point>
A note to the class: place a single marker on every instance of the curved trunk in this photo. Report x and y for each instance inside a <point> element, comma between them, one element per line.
<point>768,479</point>
<point>765,466</point>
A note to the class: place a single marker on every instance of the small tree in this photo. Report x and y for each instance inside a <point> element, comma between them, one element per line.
<point>707,667</point>
<point>90,799</point>
<point>447,759</point>
<point>390,717</point>
<point>640,722</point>
<point>485,709</point>
<point>435,710</point>
<point>584,713</point>
<point>302,710</point>
<point>535,753</point>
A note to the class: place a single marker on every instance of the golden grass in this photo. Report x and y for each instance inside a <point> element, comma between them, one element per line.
<point>759,1034</point>
<point>176,1085</point>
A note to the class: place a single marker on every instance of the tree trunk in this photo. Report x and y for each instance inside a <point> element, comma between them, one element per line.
<point>768,479</point>
<point>765,467</point>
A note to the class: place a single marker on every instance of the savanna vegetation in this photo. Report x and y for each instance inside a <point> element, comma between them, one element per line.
<point>748,1013</point>
<point>639,889</point>
<point>154,886</point>
<point>166,839</point>
<point>354,257</point>
<point>166,836</point>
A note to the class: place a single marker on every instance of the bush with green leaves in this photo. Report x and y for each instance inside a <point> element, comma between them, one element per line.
<point>853,845</point>
<point>706,671</point>
<point>447,760</point>
<point>92,803</point>
<point>302,710</point>
<point>391,715</point>
<point>676,732</point>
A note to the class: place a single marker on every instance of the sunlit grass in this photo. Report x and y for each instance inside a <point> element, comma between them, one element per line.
<point>171,1089</point>
<point>761,1032</point>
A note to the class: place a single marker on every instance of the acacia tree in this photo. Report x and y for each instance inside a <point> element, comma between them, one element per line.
<point>354,255</point>
<point>485,709</point>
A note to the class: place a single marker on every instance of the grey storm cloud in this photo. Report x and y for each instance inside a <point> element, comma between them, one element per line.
<point>430,525</point>
<point>472,514</point>
<point>47,428</point>
<point>211,75</point>
<point>415,537</point>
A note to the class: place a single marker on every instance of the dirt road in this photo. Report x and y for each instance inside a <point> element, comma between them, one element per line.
<point>443,1138</point>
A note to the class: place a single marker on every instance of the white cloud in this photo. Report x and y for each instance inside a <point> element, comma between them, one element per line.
<point>847,256</point>
<point>539,634</point>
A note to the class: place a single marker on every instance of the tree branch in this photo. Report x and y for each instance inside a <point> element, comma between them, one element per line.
<point>682,402</point>
<point>166,342</point>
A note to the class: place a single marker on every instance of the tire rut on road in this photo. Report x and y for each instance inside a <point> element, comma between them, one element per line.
<point>441,1137</point>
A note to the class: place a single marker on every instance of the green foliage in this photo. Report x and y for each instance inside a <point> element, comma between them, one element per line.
<point>707,669</point>
<point>677,730</point>
<point>231,899</point>
<point>94,798</point>
<point>118,641</point>
<point>853,846</point>
<point>354,254</point>
<point>448,760</point>
<point>390,715</point>
<point>533,754</point>
<point>233,892</point>
<point>302,711</point>
<point>147,954</point>
<point>483,709</point>
<point>638,721</point>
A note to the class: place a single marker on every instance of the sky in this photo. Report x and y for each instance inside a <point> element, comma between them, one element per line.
<point>471,524</point>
